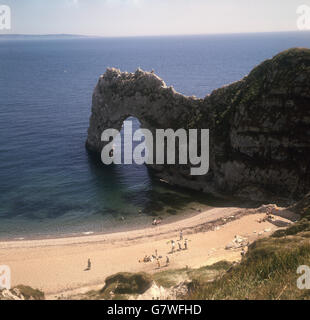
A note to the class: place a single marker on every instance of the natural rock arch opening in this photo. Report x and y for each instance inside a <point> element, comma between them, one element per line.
<point>143,95</point>
<point>135,125</point>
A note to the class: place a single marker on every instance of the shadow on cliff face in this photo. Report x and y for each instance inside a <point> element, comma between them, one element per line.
<point>156,199</point>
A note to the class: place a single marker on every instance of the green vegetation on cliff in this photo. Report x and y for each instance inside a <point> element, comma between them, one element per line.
<point>173,277</point>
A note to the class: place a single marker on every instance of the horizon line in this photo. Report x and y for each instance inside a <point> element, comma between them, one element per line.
<point>144,36</point>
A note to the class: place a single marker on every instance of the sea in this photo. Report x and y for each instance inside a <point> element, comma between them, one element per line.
<point>50,186</point>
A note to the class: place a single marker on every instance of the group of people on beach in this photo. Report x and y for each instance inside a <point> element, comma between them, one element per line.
<point>167,262</point>
<point>179,241</point>
<point>268,217</point>
<point>155,257</point>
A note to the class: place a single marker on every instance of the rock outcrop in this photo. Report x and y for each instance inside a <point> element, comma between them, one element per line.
<point>21,292</point>
<point>127,283</point>
<point>259,126</point>
<point>302,207</point>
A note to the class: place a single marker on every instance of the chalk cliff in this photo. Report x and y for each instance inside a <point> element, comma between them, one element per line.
<point>259,126</point>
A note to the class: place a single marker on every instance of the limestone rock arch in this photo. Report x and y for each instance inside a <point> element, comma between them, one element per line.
<point>143,95</point>
<point>259,126</point>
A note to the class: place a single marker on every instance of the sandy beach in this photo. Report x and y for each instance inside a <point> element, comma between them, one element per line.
<point>57,266</point>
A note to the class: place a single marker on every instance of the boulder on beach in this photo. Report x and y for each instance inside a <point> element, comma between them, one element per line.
<point>21,292</point>
<point>127,283</point>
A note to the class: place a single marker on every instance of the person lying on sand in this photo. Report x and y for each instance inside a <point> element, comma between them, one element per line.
<point>146,259</point>
<point>267,217</point>
<point>150,258</point>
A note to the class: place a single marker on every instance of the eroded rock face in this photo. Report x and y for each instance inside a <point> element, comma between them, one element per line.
<point>21,292</point>
<point>259,126</point>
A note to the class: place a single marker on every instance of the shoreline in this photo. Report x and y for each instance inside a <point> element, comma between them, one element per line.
<point>127,225</point>
<point>194,220</point>
<point>57,266</point>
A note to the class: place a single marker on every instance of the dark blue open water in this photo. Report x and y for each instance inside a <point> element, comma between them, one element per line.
<point>49,185</point>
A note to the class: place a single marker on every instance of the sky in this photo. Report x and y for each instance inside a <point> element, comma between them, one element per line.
<point>151,17</point>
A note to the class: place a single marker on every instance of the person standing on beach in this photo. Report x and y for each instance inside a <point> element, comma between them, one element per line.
<point>181,235</point>
<point>88,264</point>
<point>173,245</point>
<point>185,244</point>
<point>167,261</point>
<point>180,246</point>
